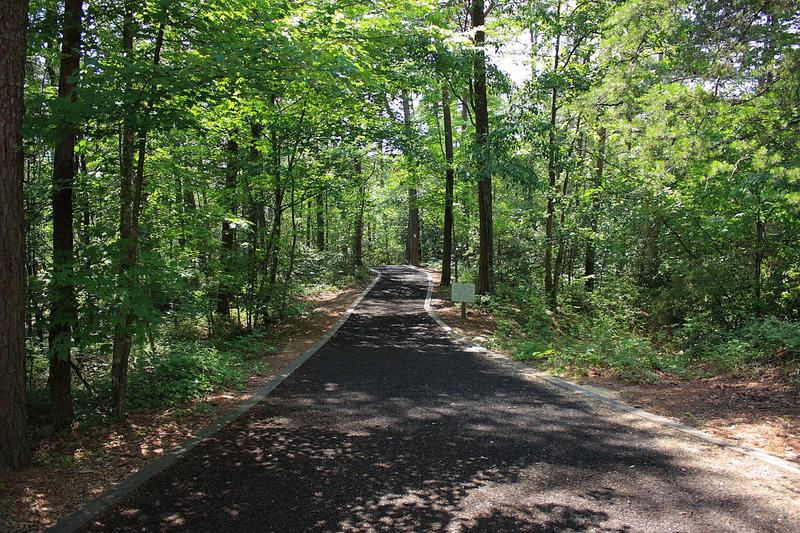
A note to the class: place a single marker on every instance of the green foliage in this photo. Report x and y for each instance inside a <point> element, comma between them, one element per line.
<point>185,372</point>
<point>590,333</point>
<point>758,342</point>
<point>669,130</point>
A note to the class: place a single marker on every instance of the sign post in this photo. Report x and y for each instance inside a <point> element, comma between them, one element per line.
<point>464,293</point>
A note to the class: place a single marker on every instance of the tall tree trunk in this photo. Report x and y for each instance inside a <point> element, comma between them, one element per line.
<point>358,234</point>
<point>758,264</point>
<point>550,283</point>
<point>13,444</point>
<point>309,222</point>
<point>447,247</point>
<point>412,238</point>
<point>413,255</point>
<point>121,347</point>
<point>650,260</point>
<point>293,249</point>
<point>480,104</point>
<point>320,229</point>
<point>225,294</point>
<point>589,270</point>
<point>131,200</point>
<point>274,245</point>
<point>558,268</point>
<point>63,306</point>
<point>255,213</point>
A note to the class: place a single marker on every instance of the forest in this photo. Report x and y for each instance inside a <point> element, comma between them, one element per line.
<point>620,178</point>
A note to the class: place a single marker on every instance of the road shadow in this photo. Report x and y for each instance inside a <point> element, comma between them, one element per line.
<point>393,427</point>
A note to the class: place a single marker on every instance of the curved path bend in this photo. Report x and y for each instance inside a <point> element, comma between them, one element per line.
<point>392,426</point>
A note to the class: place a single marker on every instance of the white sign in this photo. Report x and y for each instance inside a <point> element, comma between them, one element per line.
<point>462,292</point>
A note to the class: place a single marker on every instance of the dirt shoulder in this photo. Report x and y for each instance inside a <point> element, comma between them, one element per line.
<point>759,411</point>
<point>73,468</point>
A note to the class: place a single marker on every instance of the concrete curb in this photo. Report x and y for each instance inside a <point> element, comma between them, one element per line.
<point>577,389</point>
<point>89,511</point>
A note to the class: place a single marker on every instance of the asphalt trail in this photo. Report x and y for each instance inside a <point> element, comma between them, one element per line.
<point>392,426</point>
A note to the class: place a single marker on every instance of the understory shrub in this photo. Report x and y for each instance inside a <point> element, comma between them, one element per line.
<point>184,373</point>
<point>757,342</point>
<point>589,332</point>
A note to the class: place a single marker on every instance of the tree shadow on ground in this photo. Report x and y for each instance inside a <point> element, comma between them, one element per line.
<point>392,427</point>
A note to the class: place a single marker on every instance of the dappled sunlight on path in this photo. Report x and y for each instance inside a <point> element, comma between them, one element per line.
<point>394,427</point>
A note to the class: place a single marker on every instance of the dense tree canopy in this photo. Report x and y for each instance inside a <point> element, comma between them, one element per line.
<point>191,168</point>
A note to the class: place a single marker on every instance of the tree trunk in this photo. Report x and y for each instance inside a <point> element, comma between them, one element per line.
<point>63,305</point>
<point>589,270</point>
<point>758,263</point>
<point>550,283</point>
<point>121,348</point>
<point>131,200</point>
<point>480,104</point>
<point>413,256</point>
<point>650,262</point>
<point>447,247</point>
<point>293,248</point>
<point>274,245</point>
<point>358,234</point>
<point>13,444</point>
<point>225,294</point>
<point>412,238</point>
<point>320,200</point>
<point>255,213</point>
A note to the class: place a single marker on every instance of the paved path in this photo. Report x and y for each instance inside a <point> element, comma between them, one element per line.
<point>394,427</point>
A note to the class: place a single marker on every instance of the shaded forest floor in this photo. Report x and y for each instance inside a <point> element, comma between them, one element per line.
<point>761,410</point>
<point>73,468</point>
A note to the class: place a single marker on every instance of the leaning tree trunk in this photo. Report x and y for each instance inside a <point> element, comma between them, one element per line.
<point>63,306</point>
<point>447,245</point>
<point>480,104</point>
<point>13,443</point>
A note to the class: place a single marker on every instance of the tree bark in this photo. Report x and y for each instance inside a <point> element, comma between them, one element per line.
<point>412,238</point>
<point>447,246</point>
<point>550,283</point>
<point>480,104</point>
<point>758,263</point>
<point>121,347</point>
<point>62,298</point>
<point>320,226</point>
<point>225,294</point>
<point>131,201</point>
<point>358,234</point>
<point>590,259</point>
<point>13,444</point>
<point>274,245</point>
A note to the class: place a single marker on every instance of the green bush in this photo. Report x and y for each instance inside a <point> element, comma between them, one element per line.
<point>590,331</point>
<point>184,373</point>
<point>757,342</point>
